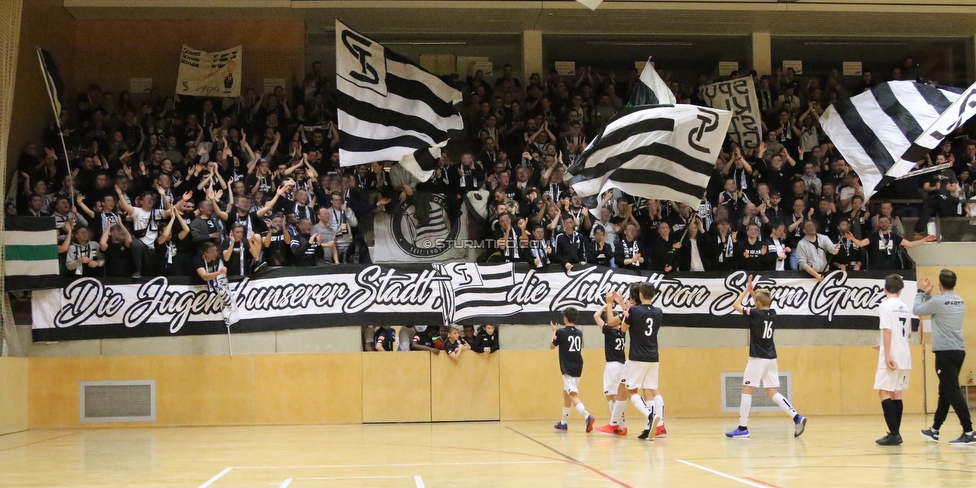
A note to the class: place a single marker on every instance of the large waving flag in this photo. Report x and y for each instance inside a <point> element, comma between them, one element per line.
<point>30,247</point>
<point>651,90</point>
<point>953,118</point>
<point>389,107</point>
<point>662,152</point>
<point>876,130</point>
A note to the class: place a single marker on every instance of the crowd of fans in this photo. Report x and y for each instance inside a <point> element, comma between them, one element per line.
<point>259,178</point>
<point>453,340</point>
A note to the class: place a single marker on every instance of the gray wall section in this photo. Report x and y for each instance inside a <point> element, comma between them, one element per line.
<point>944,254</point>
<point>349,339</point>
<point>332,339</point>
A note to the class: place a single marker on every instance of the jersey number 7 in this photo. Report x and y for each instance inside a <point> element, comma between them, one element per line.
<point>903,321</point>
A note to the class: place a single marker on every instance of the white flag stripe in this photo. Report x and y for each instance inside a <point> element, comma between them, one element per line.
<point>379,131</point>
<point>31,268</point>
<point>649,162</point>
<point>891,136</point>
<point>631,143</point>
<point>415,108</point>
<point>653,80</point>
<point>659,192</point>
<point>27,238</point>
<point>433,83</point>
<point>911,99</point>
<point>392,153</point>
<point>852,151</point>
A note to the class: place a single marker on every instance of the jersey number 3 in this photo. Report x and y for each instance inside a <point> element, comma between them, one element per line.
<point>767,329</point>
<point>574,343</point>
<point>650,327</point>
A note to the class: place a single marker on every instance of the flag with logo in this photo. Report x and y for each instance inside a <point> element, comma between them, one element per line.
<point>875,130</point>
<point>408,236</point>
<point>951,119</point>
<point>478,291</point>
<point>389,107</point>
<point>739,97</point>
<point>651,90</point>
<point>660,152</point>
<point>30,246</point>
<point>209,74</point>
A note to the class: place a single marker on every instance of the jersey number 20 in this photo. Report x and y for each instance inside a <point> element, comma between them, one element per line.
<point>767,329</point>
<point>574,344</point>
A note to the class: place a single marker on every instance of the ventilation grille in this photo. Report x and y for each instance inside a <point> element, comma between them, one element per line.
<point>118,401</point>
<point>732,393</point>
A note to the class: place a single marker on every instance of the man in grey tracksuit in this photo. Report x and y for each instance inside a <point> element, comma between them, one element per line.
<point>811,251</point>
<point>947,311</point>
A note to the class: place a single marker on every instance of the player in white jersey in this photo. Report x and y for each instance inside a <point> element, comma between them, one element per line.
<point>894,357</point>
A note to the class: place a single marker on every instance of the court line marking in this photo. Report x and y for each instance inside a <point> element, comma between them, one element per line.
<point>340,466</point>
<point>215,478</point>
<point>419,481</point>
<point>571,460</point>
<point>354,477</point>
<point>37,442</point>
<point>284,484</point>
<point>719,473</point>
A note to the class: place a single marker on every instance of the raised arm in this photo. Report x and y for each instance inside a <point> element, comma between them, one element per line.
<point>737,305</point>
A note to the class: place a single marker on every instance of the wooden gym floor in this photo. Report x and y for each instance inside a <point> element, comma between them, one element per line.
<point>834,452</point>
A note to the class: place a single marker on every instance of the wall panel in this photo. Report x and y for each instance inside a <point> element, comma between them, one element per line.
<point>466,390</point>
<point>13,395</point>
<point>396,387</point>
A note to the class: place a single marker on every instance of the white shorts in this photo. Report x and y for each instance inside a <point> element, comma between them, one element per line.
<point>889,380</point>
<point>639,374</point>
<point>570,384</point>
<point>763,371</point>
<point>611,377</point>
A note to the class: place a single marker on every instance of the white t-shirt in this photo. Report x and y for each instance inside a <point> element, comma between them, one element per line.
<point>897,317</point>
<point>142,219</point>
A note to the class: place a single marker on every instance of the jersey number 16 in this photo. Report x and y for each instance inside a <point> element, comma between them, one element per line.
<point>767,329</point>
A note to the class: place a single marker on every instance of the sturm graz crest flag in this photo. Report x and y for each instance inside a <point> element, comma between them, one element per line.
<point>662,152</point>
<point>390,108</point>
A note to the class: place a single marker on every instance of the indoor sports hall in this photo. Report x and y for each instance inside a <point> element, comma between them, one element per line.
<point>371,243</point>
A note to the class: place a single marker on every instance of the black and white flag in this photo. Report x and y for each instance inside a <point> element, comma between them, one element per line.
<point>875,130</point>
<point>662,152</point>
<point>478,290</point>
<point>953,118</point>
<point>389,107</point>
<point>651,90</point>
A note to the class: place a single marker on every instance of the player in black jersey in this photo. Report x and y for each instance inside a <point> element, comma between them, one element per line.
<point>614,341</point>
<point>761,368</point>
<point>569,340</point>
<point>641,368</point>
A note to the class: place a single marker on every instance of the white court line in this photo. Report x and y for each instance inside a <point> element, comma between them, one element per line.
<point>353,478</point>
<point>420,481</point>
<point>284,484</point>
<point>215,478</point>
<point>728,476</point>
<point>340,466</point>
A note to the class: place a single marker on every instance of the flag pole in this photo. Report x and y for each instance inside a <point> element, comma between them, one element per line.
<point>55,104</point>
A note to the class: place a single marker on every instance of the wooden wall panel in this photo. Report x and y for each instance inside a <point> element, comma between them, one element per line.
<point>308,388</point>
<point>396,387</point>
<point>466,390</point>
<point>13,395</point>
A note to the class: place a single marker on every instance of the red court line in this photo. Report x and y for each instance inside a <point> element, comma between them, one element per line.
<point>37,442</point>
<point>761,482</point>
